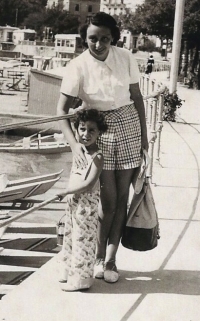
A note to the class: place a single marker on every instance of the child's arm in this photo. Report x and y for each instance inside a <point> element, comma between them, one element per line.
<point>79,185</point>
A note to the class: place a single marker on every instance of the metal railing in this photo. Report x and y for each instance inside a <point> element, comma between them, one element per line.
<point>158,65</point>
<point>153,95</point>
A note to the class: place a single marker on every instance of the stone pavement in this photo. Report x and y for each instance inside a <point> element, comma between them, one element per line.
<point>158,285</point>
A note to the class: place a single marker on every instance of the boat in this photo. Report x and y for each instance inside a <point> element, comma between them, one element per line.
<point>40,145</point>
<point>26,187</point>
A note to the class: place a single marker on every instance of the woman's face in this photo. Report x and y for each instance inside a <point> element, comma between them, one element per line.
<point>99,40</point>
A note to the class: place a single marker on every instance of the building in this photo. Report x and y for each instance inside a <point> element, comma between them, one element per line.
<point>132,4</point>
<point>6,37</point>
<point>67,45</point>
<point>84,9</point>
<point>113,7</point>
<point>21,35</point>
<point>116,7</point>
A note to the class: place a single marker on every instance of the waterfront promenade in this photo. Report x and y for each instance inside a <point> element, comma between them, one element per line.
<point>159,285</point>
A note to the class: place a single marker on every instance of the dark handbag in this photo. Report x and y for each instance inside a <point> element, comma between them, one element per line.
<point>141,232</point>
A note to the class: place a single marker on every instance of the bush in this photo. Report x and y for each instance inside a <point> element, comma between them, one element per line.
<point>148,46</point>
<point>171,103</point>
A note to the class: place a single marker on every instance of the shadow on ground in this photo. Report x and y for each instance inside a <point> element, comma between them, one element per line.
<point>166,281</point>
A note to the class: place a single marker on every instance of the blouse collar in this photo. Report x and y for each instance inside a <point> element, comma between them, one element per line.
<point>109,62</point>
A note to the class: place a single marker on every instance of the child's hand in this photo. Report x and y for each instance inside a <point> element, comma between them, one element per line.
<point>61,196</point>
<point>70,198</point>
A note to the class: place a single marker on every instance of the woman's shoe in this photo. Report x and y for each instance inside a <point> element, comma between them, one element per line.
<point>111,275</point>
<point>99,269</point>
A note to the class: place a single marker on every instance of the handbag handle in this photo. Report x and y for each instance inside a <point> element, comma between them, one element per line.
<point>147,161</point>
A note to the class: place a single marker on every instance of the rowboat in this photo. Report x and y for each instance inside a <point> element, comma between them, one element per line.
<point>50,144</point>
<point>26,187</point>
<point>41,148</point>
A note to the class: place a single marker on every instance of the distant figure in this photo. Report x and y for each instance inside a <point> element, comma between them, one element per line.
<point>149,66</point>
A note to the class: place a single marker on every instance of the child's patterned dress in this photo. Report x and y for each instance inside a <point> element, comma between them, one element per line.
<point>80,234</point>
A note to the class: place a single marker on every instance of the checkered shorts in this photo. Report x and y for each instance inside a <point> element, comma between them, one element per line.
<point>121,143</point>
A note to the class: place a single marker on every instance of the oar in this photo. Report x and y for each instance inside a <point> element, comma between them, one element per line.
<point>2,231</point>
<point>31,136</point>
<point>3,182</point>
<point>26,212</point>
<point>35,122</point>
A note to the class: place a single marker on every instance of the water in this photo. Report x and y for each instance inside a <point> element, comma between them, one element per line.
<point>18,166</point>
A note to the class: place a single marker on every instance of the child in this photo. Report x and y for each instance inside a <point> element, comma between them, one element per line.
<point>79,243</point>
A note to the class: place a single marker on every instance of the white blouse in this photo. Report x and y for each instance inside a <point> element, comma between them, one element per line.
<point>103,85</point>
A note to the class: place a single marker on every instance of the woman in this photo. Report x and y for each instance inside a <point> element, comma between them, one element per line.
<point>149,66</point>
<point>106,78</point>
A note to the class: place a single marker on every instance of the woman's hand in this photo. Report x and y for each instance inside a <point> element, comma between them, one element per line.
<point>78,155</point>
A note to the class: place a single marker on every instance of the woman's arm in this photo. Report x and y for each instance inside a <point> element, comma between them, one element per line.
<point>63,106</point>
<point>136,96</point>
<point>78,185</point>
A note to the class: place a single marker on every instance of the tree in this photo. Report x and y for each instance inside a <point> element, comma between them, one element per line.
<point>191,35</point>
<point>55,18</point>
<point>61,21</point>
<point>35,21</point>
<point>156,17</point>
<point>13,12</point>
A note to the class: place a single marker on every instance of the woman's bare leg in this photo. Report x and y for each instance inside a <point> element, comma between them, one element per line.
<point>114,197</point>
<point>123,181</point>
<point>107,210</point>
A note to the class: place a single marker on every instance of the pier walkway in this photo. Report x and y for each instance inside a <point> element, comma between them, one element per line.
<point>159,285</point>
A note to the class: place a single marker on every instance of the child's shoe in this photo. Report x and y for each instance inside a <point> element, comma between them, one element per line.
<point>63,276</point>
<point>76,285</point>
<point>71,288</point>
<point>63,273</point>
<point>99,269</point>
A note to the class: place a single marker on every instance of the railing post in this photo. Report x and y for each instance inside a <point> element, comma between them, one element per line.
<point>152,85</point>
<point>160,122</point>
<point>142,85</point>
<point>153,136</point>
<point>154,105</point>
<point>147,101</point>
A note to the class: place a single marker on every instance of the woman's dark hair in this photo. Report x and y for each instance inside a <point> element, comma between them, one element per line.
<point>101,19</point>
<point>91,115</point>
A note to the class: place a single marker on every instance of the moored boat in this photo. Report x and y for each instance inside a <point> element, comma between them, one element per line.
<point>50,144</point>
<point>27,187</point>
<point>40,148</point>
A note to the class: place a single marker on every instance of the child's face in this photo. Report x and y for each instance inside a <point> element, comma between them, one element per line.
<point>88,132</point>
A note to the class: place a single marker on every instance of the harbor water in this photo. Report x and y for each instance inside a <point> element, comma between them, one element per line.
<point>17,165</point>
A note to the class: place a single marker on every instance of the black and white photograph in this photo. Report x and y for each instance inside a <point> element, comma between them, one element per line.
<point>99,160</point>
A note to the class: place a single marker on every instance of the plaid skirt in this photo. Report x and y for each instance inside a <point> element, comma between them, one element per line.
<point>121,143</point>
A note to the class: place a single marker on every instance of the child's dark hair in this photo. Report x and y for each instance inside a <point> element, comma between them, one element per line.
<point>91,115</point>
<point>101,19</point>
